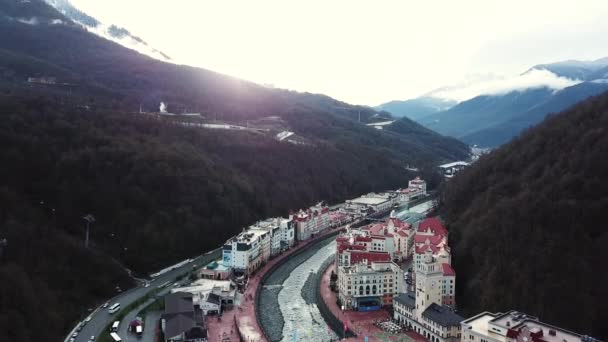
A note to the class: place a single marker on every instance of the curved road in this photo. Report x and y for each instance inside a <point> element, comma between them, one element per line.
<point>100,318</point>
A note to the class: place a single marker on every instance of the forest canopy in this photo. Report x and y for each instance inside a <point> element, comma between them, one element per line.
<point>528,223</point>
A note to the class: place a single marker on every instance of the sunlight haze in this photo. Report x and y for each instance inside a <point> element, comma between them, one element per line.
<point>363,52</point>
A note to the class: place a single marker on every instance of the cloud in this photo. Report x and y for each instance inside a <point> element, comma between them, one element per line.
<point>494,85</point>
<point>30,21</point>
<point>56,22</point>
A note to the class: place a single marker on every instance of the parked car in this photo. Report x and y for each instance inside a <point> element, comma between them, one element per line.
<point>92,338</point>
<point>88,319</point>
<point>74,335</point>
<point>106,305</point>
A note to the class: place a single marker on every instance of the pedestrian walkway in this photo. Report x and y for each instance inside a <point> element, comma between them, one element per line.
<point>223,329</point>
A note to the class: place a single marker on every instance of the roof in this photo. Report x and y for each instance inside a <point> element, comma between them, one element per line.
<point>406,299</point>
<point>371,200</point>
<point>448,270</point>
<point>422,249</point>
<point>356,257</point>
<point>434,224</point>
<point>458,163</point>
<point>363,238</point>
<point>176,324</point>
<point>433,239</point>
<point>213,298</point>
<point>178,302</point>
<point>442,315</point>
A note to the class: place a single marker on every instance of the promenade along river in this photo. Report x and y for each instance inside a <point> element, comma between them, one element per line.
<point>287,301</point>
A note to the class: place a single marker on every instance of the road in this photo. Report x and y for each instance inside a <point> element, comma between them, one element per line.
<point>100,318</point>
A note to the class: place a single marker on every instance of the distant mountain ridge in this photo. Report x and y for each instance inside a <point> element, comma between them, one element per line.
<point>417,108</point>
<point>583,70</point>
<point>492,120</point>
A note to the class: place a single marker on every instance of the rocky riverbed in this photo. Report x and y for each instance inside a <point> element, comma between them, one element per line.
<point>286,303</point>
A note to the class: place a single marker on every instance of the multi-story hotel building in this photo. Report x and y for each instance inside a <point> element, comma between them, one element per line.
<point>247,251</point>
<point>281,230</point>
<point>366,286</point>
<point>425,310</point>
<point>514,326</point>
<point>311,221</point>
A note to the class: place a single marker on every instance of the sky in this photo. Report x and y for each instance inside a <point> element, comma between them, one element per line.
<point>366,52</point>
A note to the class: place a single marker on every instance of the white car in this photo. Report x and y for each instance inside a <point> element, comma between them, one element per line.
<point>88,319</point>
<point>106,305</point>
<point>74,335</point>
<point>92,338</point>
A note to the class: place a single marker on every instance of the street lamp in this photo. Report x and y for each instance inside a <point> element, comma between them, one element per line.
<point>90,219</point>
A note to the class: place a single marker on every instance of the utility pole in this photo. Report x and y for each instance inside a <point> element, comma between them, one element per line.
<point>90,219</point>
<point>3,244</point>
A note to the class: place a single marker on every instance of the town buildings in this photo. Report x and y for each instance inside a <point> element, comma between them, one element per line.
<point>248,251</point>
<point>514,326</point>
<point>429,309</point>
<point>282,233</point>
<point>371,203</point>
<point>311,221</point>
<point>416,188</point>
<point>210,296</point>
<point>450,169</point>
<point>367,276</point>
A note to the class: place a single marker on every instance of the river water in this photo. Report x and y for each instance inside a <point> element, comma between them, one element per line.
<point>301,315</point>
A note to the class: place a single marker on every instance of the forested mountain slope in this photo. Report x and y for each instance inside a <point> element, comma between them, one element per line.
<point>94,72</point>
<point>527,223</point>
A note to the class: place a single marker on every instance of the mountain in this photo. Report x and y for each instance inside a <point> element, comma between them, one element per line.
<point>527,222</point>
<point>484,111</point>
<point>417,108</point>
<point>505,131</point>
<point>74,142</point>
<point>581,70</point>
<point>112,32</point>
<point>491,120</point>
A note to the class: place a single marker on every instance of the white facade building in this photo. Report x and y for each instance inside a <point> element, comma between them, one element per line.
<point>364,286</point>
<point>514,326</point>
<point>378,203</point>
<point>310,222</point>
<point>247,251</point>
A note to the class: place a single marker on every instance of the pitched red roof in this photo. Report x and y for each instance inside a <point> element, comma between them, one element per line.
<point>448,270</point>
<point>422,249</point>
<point>433,239</point>
<point>363,239</point>
<point>356,257</point>
<point>347,246</point>
<point>434,224</point>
